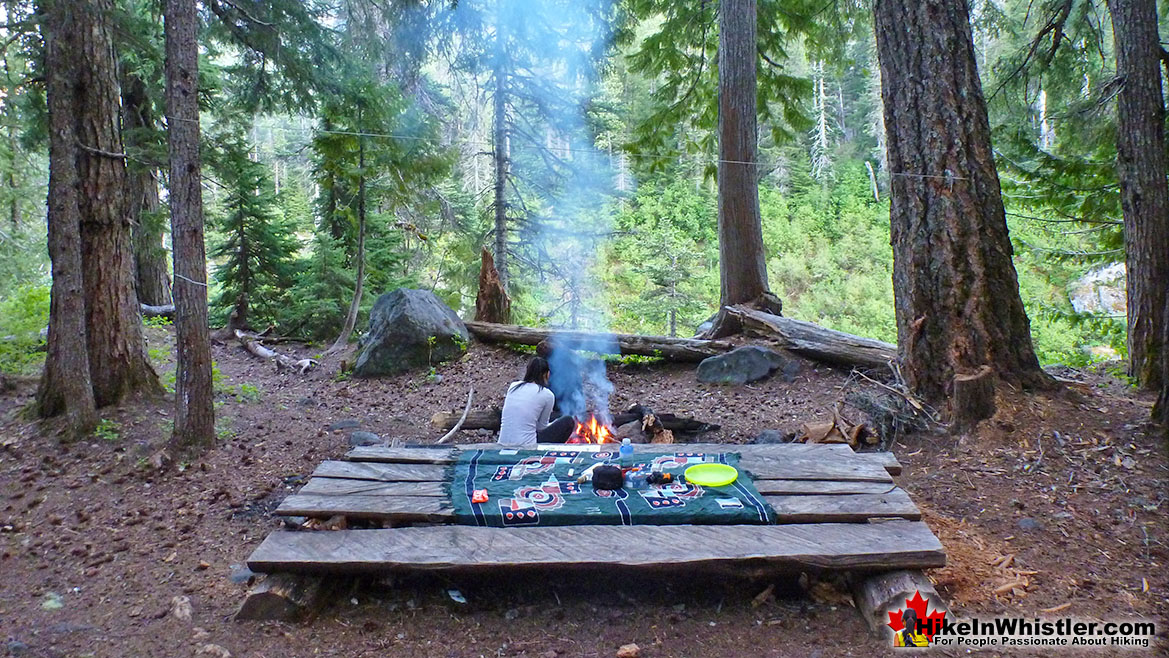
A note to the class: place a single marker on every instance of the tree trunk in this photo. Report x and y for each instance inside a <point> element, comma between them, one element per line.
<point>117,358</point>
<point>359,286</point>
<point>1144,194</point>
<point>151,278</point>
<point>492,303</point>
<point>742,268</point>
<point>65,386</point>
<point>194,397</point>
<point>956,292</point>
<point>1161,408</point>
<point>501,157</point>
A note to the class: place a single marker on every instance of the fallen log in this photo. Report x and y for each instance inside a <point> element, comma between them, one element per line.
<point>816,342</point>
<point>282,360</point>
<point>167,311</point>
<point>674,349</point>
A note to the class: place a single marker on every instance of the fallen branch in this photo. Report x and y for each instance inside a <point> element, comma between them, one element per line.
<point>815,342</point>
<point>674,349</point>
<point>282,361</point>
<point>459,425</point>
<point>167,311</point>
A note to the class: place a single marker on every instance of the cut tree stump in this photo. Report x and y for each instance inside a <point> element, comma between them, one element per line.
<point>285,597</point>
<point>673,349</point>
<point>492,303</point>
<point>815,342</point>
<point>875,595</point>
<point>973,398</point>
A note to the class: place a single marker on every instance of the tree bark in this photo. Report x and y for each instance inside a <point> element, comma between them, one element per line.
<point>742,265</point>
<point>1144,194</point>
<point>65,386</point>
<point>674,349</point>
<point>501,157</point>
<point>1161,408</point>
<point>194,397</point>
<point>151,278</point>
<point>359,285</point>
<point>117,359</point>
<point>956,291</point>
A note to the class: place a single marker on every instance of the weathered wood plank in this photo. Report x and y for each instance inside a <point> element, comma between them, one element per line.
<point>812,508</point>
<point>845,508</point>
<point>341,487</point>
<point>821,487</point>
<point>399,509</point>
<point>787,548</point>
<point>381,472</point>
<point>443,455</point>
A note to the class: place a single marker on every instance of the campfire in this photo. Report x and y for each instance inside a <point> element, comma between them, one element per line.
<point>592,431</point>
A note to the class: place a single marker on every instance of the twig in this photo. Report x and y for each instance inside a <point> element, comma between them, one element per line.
<point>462,419</point>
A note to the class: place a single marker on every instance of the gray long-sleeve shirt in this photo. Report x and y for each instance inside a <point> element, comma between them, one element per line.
<point>525,412</point>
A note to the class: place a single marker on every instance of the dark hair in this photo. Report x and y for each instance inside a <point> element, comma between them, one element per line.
<point>536,372</point>
<point>909,618</point>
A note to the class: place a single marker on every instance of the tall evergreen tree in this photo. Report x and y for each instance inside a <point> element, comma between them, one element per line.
<point>1144,192</point>
<point>956,291</point>
<point>742,263</point>
<point>194,395</point>
<point>114,343</point>
<point>258,245</point>
<point>65,386</point>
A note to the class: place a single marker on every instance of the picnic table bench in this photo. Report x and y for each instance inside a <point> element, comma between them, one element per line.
<point>835,510</point>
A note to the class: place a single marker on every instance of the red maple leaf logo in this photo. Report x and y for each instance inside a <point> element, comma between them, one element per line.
<point>930,622</point>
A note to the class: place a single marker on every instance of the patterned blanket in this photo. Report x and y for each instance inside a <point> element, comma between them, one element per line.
<point>539,488</point>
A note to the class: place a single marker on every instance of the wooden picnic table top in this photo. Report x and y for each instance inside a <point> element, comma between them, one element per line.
<point>835,509</point>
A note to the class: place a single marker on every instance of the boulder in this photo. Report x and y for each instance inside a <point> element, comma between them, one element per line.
<point>741,365</point>
<point>363,439</point>
<point>410,329</point>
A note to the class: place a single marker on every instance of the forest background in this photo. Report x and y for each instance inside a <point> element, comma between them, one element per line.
<point>608,190</point>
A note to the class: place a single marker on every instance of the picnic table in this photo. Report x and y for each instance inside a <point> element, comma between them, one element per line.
<point>834,509</point>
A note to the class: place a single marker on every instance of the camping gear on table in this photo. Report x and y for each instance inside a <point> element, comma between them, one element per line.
<point>534,488</point>
<point>608,478</point>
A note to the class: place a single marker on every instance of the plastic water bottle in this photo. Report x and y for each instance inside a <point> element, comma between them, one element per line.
<point>626,453</point>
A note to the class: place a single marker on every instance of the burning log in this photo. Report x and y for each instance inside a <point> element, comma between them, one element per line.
<point>674,349</point>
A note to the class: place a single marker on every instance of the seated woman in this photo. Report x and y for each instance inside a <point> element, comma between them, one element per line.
<point>526,409</point>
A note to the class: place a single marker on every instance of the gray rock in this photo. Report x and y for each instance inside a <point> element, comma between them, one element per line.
<point>410,329</point>
<point>16,648</point>
<point>739,366</point>
<point>1028,523</point>
<point>347,424</point>
<point>771,436</point>
<point>706,326</point>
<point>360,438</point>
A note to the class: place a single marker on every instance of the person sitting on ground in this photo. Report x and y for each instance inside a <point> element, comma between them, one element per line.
<point>526,409</point>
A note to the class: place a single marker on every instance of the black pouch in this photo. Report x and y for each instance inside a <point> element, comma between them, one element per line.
<point>608,477</point>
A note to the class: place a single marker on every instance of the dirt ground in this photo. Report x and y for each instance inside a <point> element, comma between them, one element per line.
<point>1055,507</point>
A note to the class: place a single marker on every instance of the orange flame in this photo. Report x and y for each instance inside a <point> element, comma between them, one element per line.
<point>592,432</point>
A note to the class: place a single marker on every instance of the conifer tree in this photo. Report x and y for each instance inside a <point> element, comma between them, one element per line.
<point>258,248</point>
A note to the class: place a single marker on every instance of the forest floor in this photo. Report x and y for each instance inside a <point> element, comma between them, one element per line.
<point>1064,495</point>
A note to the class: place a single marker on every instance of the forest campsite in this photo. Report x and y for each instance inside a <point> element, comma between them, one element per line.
<point>558,328</point>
